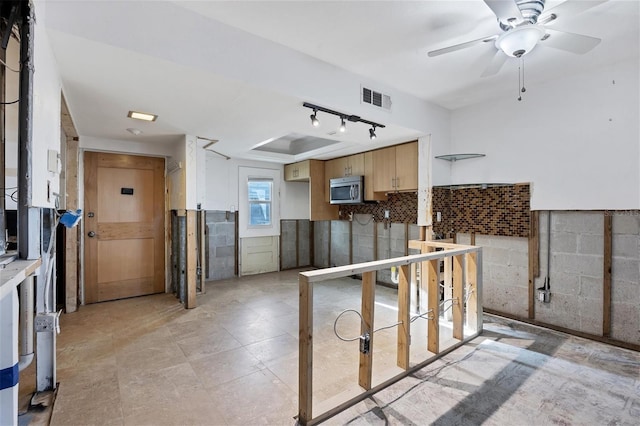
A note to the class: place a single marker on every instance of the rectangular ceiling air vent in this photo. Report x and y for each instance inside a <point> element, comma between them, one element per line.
<point>375,98</point>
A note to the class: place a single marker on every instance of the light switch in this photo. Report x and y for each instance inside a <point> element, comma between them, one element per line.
<point>52,161</point>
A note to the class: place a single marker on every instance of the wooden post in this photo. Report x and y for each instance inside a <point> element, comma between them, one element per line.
<point>606,299</point>
<point>448,285</point>
<point>433,329</point>
<point>404,329</point>
<point>191,278</point>
<point>458,295</point>
<point>305,351</point>
<point>368,304</point>
<point>534,261</point>
<point>473,309</point>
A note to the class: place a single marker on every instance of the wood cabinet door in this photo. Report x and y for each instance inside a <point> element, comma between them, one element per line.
<point>124,226</point>
<point>384,169</point>
<point>355,165</point>
<point>407,167</point>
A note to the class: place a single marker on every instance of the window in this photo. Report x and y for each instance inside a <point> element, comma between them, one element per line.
<point>260,200</point>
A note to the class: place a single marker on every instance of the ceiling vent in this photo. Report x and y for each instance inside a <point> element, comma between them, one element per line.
<point>375,98</point>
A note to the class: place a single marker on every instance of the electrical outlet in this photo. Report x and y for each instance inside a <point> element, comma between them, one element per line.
<point>386,214</point>
<point>438,216</point>
<point>46,322</point>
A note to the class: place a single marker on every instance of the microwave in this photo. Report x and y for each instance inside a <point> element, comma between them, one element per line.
<point>347,190</point>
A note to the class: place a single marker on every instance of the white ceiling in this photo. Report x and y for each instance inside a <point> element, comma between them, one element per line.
<point>239,71</point>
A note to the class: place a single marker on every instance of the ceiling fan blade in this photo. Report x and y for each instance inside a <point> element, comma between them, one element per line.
<point>496,63</point>
<point>505,10</point>
<point>464,45</point>
<point>575,43</point>
<point>569,8</point>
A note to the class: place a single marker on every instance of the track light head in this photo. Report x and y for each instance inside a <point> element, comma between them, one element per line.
<point>314,120</point>
<point>343,126</point>
<point>372,132</point>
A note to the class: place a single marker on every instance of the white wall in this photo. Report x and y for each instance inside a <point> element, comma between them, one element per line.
<point>294,199</point>
<point>576,139</point>
<point>47,88</point>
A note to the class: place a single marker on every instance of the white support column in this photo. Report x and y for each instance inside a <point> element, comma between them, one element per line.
<point>9,358</point>
<point>424,181</point>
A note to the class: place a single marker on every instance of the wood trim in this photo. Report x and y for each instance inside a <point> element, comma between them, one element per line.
<point>72,254</point>
<point>365,369</point>
<point>608,258</point>
<point>350,242</point>
<point>329,244</point>
<point>297,243</point>
<point>404,328</point>
<point>473,238</point>
<point>305,347</point>
<point>375,240</point>
<point>406,238</point>
<point>312,244</point>
<point>191,267</point>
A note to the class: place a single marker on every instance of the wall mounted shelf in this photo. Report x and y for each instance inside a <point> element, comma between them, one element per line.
<point>456,157</point>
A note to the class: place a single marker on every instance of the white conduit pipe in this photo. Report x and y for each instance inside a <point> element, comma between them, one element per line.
<point>26,323</point>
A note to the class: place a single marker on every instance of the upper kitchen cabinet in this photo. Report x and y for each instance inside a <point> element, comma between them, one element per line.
<point>297,171</point>
<point>312,171</point>
<point>396,168</point>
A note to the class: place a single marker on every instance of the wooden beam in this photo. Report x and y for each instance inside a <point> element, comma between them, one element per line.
<point>71,246</point>
<point>448,284</point>
<point>404,329</point>
<point>350,242</point>
<point>312,245</point>
<point>368,304</point>
<point>406,238</point>
<point>473,238</point>
<point>606,297</point>
<point>191,277</point>
<point>433,298</point>
<point>458,295</point>
<point>534,261</point>
<point>305,351</point>
<point>473,310</point>
<point>297,243</point>
<point>329,244</point>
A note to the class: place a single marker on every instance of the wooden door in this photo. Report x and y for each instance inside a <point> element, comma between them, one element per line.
<point>407,167</point>
<point>123,226</point>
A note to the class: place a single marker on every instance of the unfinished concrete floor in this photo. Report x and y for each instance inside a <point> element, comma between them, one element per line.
<point>233,360</point>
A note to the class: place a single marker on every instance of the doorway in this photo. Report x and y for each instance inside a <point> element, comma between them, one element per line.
<point>124,226</point>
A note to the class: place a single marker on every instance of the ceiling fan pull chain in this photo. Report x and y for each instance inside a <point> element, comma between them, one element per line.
<point>523,88</point>
<point>519,85</point>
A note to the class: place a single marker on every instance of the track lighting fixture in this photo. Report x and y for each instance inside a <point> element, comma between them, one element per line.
<point>314,119</point>
<point>343,119</point>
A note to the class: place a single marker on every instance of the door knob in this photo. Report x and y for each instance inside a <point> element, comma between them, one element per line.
<point>91,234</point>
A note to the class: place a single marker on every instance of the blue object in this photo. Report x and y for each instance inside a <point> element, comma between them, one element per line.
<point>9,377</point>
<point>70,218</point>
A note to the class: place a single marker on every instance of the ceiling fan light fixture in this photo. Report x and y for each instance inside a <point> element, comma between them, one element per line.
<point>520,40</point>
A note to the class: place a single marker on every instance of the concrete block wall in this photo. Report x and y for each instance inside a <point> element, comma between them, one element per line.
<point>294,243</point>
<point>625,279</point>
<point>340,245</point>
<point>505,268</point>
<point>321,244</point>
<point>576,272</point>
<point>221,231</point>
<point>362,238</point>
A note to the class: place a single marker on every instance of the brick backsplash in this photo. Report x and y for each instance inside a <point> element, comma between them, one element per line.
<point>498,210</point>
<point>402,206</point>
<point>495,210</point>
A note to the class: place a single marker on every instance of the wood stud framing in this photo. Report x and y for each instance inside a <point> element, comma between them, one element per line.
<point>404,328</point>
<point>365,369</point>
<point>191,275</point>
<point>458,299</point>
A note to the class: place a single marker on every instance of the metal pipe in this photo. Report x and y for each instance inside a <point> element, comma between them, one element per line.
<point>27,311</point>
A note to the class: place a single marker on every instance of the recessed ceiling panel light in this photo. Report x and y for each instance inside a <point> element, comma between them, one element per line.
<point>142,116</point>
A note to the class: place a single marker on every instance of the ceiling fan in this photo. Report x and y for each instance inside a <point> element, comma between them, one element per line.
<point>523,26</point>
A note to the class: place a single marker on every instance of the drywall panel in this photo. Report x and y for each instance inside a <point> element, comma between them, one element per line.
<point>575,139</point>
